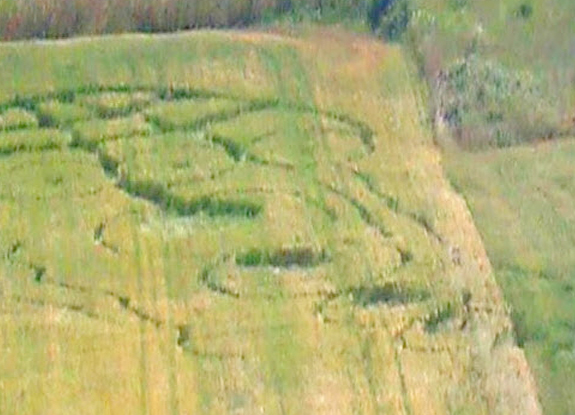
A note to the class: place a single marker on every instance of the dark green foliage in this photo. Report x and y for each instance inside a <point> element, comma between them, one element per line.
<point>394,23</point>
<point>60,114</point>
<point>520,328</point>
<point>405,256</point>
<point>392,202</point>
<point>389,18</point>
<point>304,257</point>
<point>376,11</point>
<point>284,6</point>
<point>457,4</point>
<point>174,204</point>
<point>235,150</point>
<point>13,251</point>
<point>39,271</point>
<point>525,10</point>
<point>366,134</point>
<point>322,10</point>
<point>109,164</point>
<point>487,103</point>
<point>184,339</point>
<point>441,315</point>
<point>32,140</point>
<point>390,294</point>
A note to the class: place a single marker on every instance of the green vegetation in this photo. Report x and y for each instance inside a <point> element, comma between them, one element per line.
<point>90,133</point>
<point>522,199</point>
<point>181,114</point>
<point>299,257</point>
<point>116,104</point>
<point>63,18</point>
<point>227,222</point>
<point>30,140</point>
<point>500,72</point>
<point>488,105</point>
<point>267,171</point>
<point>61,114</point>
<point>389,18</point>
<point>16,118</point>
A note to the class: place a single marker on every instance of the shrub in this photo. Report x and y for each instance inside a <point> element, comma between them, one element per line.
<point>525,10</point>
<point>389,18</point>
<point>394,23</point>
<point>376,11</point>
<point>488,104</point>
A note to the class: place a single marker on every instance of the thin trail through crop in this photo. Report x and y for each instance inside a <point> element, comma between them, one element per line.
<point>226,204</point>
<point>299,181</point>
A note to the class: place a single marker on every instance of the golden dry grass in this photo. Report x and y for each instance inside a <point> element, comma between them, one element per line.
<point>293,253</point>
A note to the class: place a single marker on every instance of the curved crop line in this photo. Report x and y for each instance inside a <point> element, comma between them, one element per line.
<point>170,202</point>
<point>218,174</point>
<point>169,93</point>
<point>238,152</point>
<point>172,93</point>
<point>205,278</point>
<point>366,215</point>
<point>126,304</point>
<point>40,277</point>
<point>74,308</point>
<point>394,204</point>
<point>10,150</point>
<point>406,400</point>
<point>158,193</point>
<point>286,258</point>
<point>406,256</point>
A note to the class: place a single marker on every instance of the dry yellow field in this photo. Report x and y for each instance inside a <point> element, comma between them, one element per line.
<point>243,223</point>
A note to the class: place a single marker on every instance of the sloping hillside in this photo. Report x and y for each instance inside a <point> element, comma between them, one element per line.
<point>226,222</point>
<point>522,199</point>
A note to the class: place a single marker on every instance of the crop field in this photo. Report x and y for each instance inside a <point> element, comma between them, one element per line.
<point>227,222</point>
<point>522,199</point>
